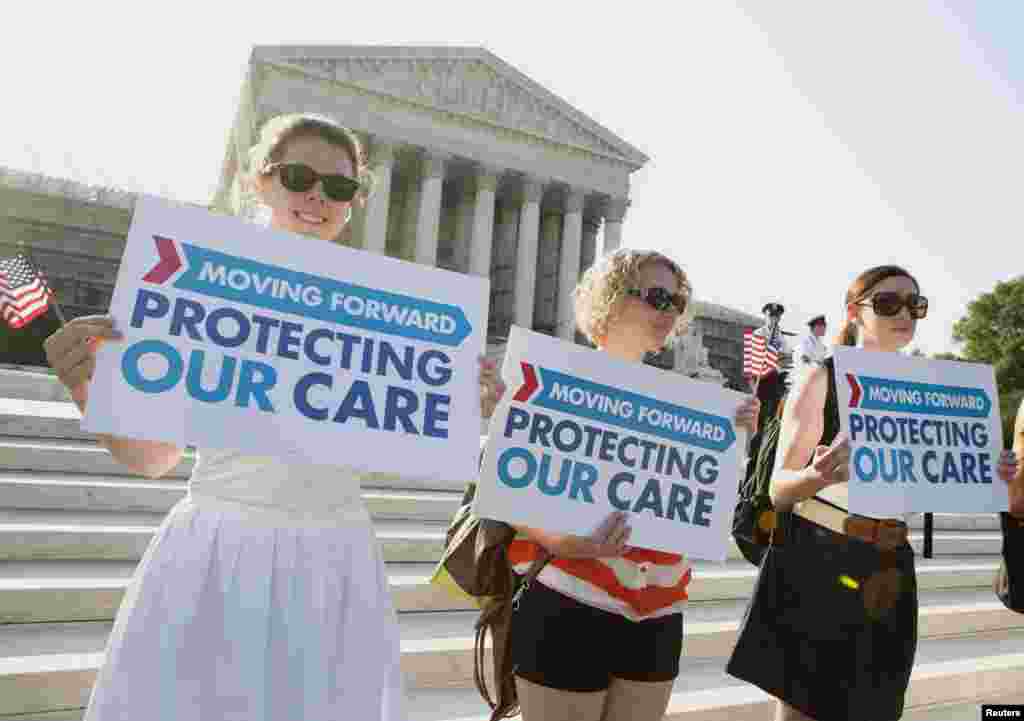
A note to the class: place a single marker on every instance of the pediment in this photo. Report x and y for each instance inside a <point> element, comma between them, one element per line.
<point>465,81</point>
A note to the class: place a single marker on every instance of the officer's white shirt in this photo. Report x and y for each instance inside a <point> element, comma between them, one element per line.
<point>812,347</point>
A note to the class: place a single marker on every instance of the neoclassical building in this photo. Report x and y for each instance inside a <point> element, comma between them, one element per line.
<point>477,169</point>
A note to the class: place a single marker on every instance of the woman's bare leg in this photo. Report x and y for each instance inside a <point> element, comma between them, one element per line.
<point>540,703</point>
<point>785,712</point>
<point>636,700</point>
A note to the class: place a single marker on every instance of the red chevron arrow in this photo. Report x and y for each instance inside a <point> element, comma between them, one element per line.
<point>526,390</point>
<point>169,261</point>
<point>855,390</point>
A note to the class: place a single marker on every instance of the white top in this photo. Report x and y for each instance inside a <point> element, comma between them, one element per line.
<point>302,488</point>
<point>812,347</point>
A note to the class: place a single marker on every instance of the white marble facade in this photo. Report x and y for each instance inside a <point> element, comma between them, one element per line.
<point>477,168</point>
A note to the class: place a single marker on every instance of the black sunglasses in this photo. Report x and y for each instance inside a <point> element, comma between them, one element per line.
<point>660,299</point>
<point>890,303</point>
<point>298,178</point>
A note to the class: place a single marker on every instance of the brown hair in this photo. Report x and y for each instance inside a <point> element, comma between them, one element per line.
<point>859,289</point>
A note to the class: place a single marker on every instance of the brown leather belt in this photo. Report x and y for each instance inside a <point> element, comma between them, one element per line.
<point>888,534</point>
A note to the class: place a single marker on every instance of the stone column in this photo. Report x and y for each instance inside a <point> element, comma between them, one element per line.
<point>588,244</point>
<point>483,223</point>
<point>382,161</point>
<point>428,218</point>
<point>545,303</point>
<point>569,263</point>
<point>615,211</point>
<point>526,252</point>
<point>463,227</point>
<point>504,266</point>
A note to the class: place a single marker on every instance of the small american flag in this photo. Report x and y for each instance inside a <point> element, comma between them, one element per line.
<point>24,295</point>
<point>759,358</point>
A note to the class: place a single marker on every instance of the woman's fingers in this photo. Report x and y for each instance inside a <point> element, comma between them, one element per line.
<point>76,334</point>
<point>747,414</point>
<point>833,463</point>
<point>1008,464</point>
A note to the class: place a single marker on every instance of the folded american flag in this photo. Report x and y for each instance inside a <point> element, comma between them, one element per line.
<point>758,357</point>
<point>24,295</point>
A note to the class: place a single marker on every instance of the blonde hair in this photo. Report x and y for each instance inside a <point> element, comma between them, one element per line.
<point>605,283</point>
<point>279,130</point>
<point>859,290</point>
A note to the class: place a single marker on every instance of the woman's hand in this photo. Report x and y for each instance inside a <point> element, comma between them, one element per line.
<point>71,351</point>
<point>831,464</point>
<point>491,387</point>
<point>608,541</point>
<point>747,414</point>
<point>1008,470</point>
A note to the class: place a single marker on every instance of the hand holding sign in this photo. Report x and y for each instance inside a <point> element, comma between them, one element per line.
<point>608,541</point>
<point>1008,471</point>
<point>71,351</point>
<point>747,415</point>
<point>585,435</point>
<point>831,464</point>
<point>269,343</point>
<point>925,434</point>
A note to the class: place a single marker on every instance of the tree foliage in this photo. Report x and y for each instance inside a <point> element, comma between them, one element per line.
<point>993,332</point>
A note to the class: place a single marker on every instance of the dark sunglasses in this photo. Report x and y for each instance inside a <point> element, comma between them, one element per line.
<point>298,178</point>
<point>890,303</point>
<point>660,299</point>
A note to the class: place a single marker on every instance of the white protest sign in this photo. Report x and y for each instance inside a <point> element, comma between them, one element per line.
<point>581,434</point>
<point>925,435</point>
<point>243,337</point>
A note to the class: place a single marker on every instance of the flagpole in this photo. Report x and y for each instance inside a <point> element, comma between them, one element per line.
<point>46,283</point>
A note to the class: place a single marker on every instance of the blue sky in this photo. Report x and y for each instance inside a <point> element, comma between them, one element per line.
<point>792,144</point>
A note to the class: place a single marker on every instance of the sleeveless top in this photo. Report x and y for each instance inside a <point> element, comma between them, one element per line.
<point>274,483</point>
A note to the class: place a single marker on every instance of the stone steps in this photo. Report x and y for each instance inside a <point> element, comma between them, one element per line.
<point>73,524</point>
<point>48,455</point>
<point>55,455</point>
<point>77,492</point>
<point>49,666</point>
<point>955,711</point>
<point>27,535</point>
<point>21,418</point>
<point>60,590</point>
<point>950,671</point>
<point>950,674</point>
<point>35,384</point>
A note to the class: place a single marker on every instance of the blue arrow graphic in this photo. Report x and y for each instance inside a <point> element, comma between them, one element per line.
<point>688,426</point>
<point>900,396</point>
<point>230,277</point>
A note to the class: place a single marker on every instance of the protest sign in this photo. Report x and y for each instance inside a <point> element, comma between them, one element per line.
<point>925,435</point>
<point>243,337</point>
<point>581,434</point>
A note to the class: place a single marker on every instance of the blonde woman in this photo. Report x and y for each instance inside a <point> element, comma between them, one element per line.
<point>831,630</point>
<point>599,635</point>
<point>263,596</point>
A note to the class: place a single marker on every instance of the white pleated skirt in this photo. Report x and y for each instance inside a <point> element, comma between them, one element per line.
<point>240,613</point>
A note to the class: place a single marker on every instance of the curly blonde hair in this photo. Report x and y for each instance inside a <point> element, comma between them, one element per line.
<point>279,130</point>
<point>605,283</point>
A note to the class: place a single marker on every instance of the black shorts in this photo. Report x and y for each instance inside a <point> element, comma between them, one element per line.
<point>561,643</point>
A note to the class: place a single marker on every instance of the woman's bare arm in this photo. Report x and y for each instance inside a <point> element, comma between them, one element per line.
<point>802,425</point>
